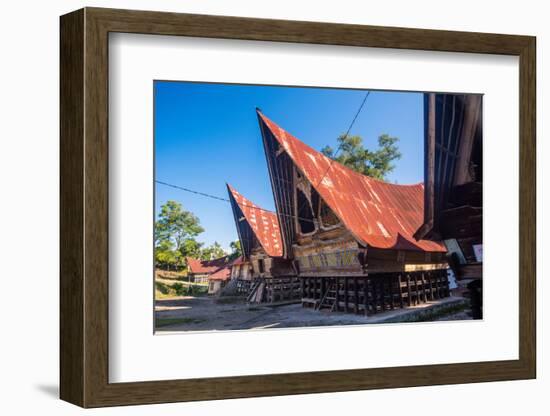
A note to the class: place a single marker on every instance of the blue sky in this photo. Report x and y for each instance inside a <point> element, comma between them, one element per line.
<point>208,134</point>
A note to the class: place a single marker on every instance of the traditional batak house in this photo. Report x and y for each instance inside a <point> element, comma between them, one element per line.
<point>199,271</point>
<point>270,277</point>
<point>453,178</point>
<point>349,236</point>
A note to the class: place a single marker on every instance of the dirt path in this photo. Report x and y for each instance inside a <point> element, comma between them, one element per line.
<point>205,314</point>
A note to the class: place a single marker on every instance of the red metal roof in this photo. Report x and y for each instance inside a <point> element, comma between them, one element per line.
<point>206,266</point>
<point>377,213</point>
<point>264,224</point>
<point>222,274</point>
<point>238,260</point>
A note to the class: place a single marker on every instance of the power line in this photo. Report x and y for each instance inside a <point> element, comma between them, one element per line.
<point>181,188</point>
<point>345,135</point>
<point>219,198</point>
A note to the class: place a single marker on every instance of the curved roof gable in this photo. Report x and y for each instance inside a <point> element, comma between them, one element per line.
<point>263,223</point>
<point>377,213</point>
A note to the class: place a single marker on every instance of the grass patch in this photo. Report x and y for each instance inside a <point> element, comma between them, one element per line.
<point>165,290</point>
<point>160,322</point>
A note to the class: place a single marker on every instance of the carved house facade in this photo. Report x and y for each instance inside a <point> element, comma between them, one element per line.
<point>349,237</point>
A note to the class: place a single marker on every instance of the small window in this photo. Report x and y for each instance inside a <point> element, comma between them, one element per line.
<point>328,217</point>
<point>305,214</point>
<point>261,267</point>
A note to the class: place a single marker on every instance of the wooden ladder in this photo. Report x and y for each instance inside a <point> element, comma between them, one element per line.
<point>328,301</point>
<point>253,289</point>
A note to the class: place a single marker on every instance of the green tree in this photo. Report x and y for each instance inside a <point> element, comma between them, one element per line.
<point>376,164</point>
<point>213,251</point>
<point>191,248</point>
<point>174,233</point>
<point>165,255</point>
<point>236,250</point>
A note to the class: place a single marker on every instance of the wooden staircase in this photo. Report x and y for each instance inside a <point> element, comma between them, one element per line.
<point>253,294</point>
<point>328,301</point>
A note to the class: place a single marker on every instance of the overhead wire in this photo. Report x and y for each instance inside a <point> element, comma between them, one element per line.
<point>219,198</point>
<point>345,135</point>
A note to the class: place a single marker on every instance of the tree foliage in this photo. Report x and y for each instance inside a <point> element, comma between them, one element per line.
<point>376,164</point>
<point>174,233</point>
<point>236,249</point>
<point>166,256</point>
<point>212,252</point>
<point>191,248</point>
<point>176,224</point>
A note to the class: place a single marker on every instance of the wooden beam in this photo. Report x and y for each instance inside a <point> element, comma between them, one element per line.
<point>472,104</point>
<point>356,293</point>
<point>337,294</point>
<point>346,295</point>
<point>409,294</point>
<point>365,295</point>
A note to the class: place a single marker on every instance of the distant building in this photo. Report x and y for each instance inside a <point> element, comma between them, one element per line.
<point>347,236</point>
<point>199,271</point>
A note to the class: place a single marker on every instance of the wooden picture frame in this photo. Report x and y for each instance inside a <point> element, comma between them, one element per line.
<point>84,207</point>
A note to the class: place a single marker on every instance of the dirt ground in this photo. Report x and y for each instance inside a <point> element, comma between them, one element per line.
<point>204,313</point>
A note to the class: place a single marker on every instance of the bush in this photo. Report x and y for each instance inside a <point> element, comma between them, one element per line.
<point>162,288</point>
<point>199,290</point>
<point>180,289</point>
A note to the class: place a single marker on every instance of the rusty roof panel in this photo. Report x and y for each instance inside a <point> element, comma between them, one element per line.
<point>377,213</point>
<point>263,223</point>
<point>206,266</point>
<point>222,274</point>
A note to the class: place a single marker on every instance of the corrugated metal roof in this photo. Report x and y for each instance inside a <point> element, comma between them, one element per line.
<point>264,224</point>
<point>222,274</point>
<point>239,260</point>
<point>377,213</point>
<point>206,266</point>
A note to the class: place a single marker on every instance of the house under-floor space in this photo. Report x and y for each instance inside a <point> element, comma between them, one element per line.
<point>375,293</point>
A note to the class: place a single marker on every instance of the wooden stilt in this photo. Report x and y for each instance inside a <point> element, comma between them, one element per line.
<point>337,295</point>
<point>365,296</point>
<point>417,299</point>
<point>400,290</point>
<point>409,293</point>
<point>356,294</point>
<point>423,288</point>
<point>346,294</point>
<point>374,296</point>
<point>381,294</point>
<point>390,292</point>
